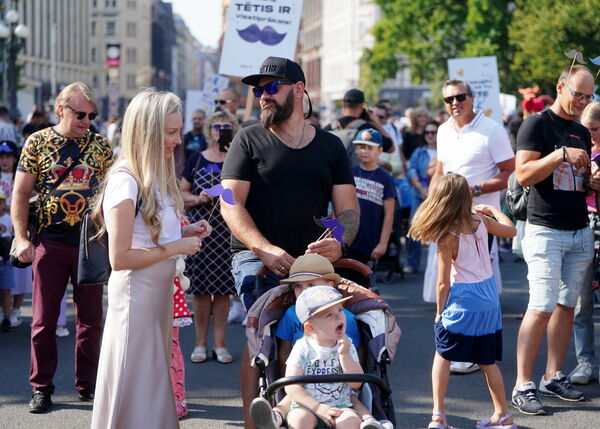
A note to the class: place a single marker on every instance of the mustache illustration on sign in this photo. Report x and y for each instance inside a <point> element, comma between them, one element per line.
<point>267,35</point>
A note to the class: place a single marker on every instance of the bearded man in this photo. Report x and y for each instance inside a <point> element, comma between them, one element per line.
<point>284,173</point>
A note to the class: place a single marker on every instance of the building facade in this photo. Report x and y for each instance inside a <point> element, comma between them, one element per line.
<point>346,33</point>
<point>57,50</point>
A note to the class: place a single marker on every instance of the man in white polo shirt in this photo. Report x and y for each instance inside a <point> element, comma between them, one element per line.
<point>478,148</point>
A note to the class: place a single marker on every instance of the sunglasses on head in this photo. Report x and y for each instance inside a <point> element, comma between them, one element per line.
<point>219,127</point>
<point>222,102</point>
<point>80,115</point>
<point>459,97</point>
<point>270,88</point>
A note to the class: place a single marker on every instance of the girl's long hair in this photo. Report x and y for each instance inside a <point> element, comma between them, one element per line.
<point>446,209</point>
<point>143,153</point>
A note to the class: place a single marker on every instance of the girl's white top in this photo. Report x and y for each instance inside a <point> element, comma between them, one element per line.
<point>122,186</point>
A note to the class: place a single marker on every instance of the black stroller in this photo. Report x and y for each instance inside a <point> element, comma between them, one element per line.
<point>379,335</point>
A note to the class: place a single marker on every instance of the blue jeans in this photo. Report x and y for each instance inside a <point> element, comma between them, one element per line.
<point>244,266</point>
<point>583,326</point>
<point>413,248</point>
<point>557,261</point>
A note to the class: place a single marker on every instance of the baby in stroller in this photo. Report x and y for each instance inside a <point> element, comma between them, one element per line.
<point>307,271</point>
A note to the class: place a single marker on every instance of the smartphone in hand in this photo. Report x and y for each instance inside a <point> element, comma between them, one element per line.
<point>225,137</point>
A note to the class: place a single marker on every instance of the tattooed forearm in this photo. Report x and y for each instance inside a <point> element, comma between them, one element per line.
<point>350,220</point>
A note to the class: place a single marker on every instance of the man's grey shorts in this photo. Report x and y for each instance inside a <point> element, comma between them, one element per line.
<point>557,261</point>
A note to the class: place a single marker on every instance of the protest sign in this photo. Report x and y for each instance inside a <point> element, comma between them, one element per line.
<point>205,99</point>
<point>256,30</point>
<point>481,73</point>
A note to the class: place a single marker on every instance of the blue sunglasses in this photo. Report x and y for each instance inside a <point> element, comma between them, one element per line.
<point>270,88</point>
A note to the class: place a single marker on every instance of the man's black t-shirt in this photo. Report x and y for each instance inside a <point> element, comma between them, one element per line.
<point>288,187</point>
<point>558,201</point>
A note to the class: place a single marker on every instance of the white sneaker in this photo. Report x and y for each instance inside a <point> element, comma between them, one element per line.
<point>582,374</point>
<point>236,313</point>
<point>62,331</point>
<point>463,367</point>
<point>15,318</point>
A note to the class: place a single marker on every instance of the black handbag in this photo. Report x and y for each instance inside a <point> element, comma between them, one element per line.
<point>93,265</point>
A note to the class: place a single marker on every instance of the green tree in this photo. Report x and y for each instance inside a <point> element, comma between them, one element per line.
<point>541,32</point>
<point>430,32</point>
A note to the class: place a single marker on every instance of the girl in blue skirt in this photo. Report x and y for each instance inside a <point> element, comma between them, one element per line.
<point>468,322</point>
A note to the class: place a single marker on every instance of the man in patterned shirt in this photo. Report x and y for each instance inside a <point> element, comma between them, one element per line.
<point>44,158</point>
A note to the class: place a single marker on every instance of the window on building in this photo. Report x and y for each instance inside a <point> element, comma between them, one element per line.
<point>131,54</point>
<point>131,4</point>
<point>94,3</point>
<point>95,81</point>
<point>93,28</point>
<point>131,83</point>
<point>114,3</point>
<point>110,28</point>
<point>93,55</point>
<point>131,29</point>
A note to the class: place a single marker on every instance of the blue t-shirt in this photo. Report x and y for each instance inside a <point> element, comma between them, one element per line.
<point>290,329</point>
<point>372,189</point>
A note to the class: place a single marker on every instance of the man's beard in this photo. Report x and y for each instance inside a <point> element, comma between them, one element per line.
<point>277,113</point>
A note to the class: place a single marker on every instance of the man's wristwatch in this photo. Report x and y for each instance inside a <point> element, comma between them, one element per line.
<point>476,190</point>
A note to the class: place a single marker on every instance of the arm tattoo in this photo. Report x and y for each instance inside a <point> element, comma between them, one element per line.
<point>350,220</point>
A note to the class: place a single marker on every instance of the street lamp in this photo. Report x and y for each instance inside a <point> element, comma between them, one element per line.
<point>15,34</point>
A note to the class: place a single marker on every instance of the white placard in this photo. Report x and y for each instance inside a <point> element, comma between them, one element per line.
<point>256,30</point>
<point>481,73</point>
<point>205,99</point>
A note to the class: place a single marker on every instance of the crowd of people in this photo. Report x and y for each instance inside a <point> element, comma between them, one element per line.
<point>386,181</point>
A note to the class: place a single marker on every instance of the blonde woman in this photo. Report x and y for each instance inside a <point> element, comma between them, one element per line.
<point>140,208</point>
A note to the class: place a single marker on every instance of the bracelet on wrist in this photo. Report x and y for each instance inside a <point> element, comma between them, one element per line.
<point>564,150</point>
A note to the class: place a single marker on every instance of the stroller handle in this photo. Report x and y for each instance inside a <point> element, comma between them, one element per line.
<point>339,378</point>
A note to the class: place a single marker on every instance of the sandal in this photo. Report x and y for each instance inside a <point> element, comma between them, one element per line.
<point>500,424</point>
<point>222,355</point>
<point>199,354</point>
<point>437,425</point>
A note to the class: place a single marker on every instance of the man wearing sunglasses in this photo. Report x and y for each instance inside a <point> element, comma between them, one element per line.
<point>553,159</point>
<point>228,99</point>
<point>283,173</point>
<point>45,159</point>
<point>476,147</point>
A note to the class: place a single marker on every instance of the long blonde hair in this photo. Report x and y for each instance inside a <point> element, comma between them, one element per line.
<point>447,208</point>
<point>142,150</point>
<point>592,111</point>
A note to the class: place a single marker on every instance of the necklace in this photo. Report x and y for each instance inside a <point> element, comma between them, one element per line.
<point>300,143</point>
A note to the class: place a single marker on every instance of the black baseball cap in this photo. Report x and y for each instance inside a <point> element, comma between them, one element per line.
<point>354,96</point>
<point>277,67</point>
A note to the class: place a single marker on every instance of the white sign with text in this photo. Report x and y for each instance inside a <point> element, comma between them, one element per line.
<point>256,30</point>
<point>481,73</point>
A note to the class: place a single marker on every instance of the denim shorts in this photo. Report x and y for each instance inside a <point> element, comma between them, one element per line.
<point>244,265</point>
<point>557,261</point>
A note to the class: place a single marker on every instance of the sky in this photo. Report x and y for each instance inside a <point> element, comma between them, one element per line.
<point>203,18</point>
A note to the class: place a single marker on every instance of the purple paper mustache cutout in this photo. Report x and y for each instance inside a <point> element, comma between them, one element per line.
<point>225,193</point>
<point>267,35</point>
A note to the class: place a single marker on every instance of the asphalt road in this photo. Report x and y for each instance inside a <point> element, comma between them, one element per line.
<point>213,389</point>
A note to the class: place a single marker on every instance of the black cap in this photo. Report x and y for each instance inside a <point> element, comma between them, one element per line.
<point>277,67</point>
<point>9,147</point>
<point>354,96</point>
